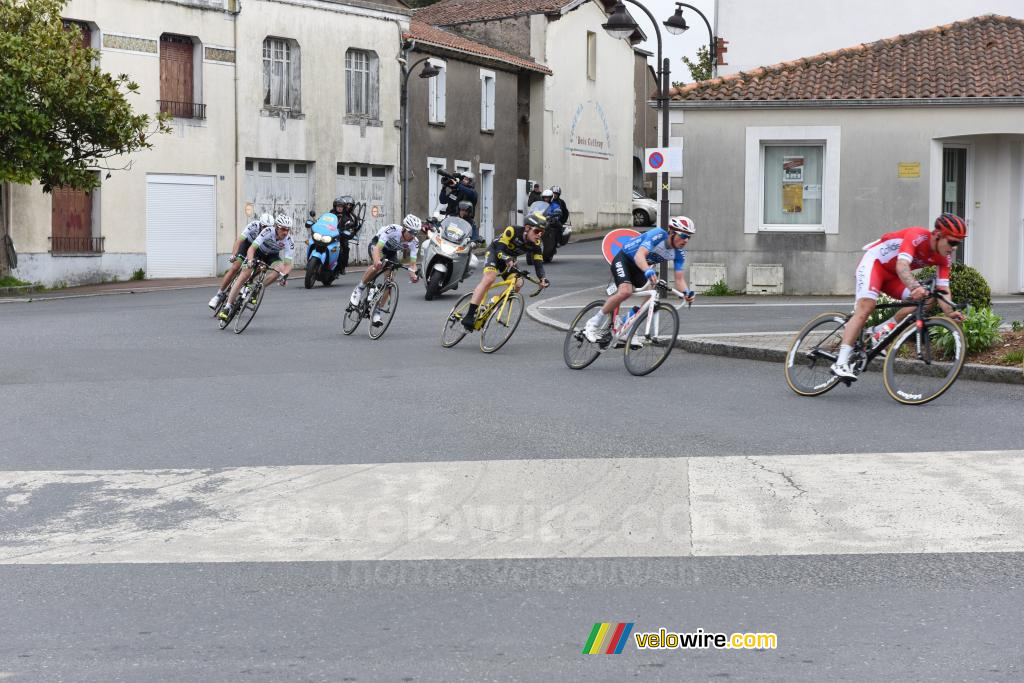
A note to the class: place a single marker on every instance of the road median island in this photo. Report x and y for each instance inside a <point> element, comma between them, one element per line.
<point>766,346</point>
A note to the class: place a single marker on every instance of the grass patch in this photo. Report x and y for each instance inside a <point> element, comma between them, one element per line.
<point>1013,357</point>
<point>720,288</point>
<point>139,274</point>
<point>11,281</point>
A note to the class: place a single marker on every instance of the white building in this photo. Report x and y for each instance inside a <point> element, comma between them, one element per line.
<point>277,104</point>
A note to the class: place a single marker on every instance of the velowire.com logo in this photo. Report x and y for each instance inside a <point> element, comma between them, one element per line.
<point>607,638</point>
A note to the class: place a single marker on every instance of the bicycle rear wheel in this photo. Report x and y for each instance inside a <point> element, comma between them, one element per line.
<point>249,306</point>
<point>387,311</point>
<point>655,344</point>
<point>502,322</point>
<point>453,331</point>
<point>353,316</point>
<point>577,351</point>
<point>810,356</point>
<point>917,369</point>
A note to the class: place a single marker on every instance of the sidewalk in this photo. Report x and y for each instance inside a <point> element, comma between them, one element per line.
<point>557,313</point>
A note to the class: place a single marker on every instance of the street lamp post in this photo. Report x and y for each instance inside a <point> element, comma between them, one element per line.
<point>621,25</point>
<point>679,25</point>
<point>428,71</point>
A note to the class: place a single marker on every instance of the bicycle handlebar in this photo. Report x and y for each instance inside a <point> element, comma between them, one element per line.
<point>526,276</point>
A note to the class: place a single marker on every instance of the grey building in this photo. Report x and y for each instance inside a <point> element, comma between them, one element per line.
<point>473,116</point>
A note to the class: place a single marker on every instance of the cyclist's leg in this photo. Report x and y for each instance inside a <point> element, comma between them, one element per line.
<point>870,281</point>
<point>272,273</point>
<point>490,275</point>
<point>370,275</point>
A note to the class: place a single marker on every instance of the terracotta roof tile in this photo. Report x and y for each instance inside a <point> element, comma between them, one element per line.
<point>431,35</point>
<point>978,57</point>
<point>448,12</point>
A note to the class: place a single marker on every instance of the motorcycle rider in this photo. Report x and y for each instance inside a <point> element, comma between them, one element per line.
<point>347,223</point>
<point>556,199</point>
<point>465,212</point>
<point>238,251</point>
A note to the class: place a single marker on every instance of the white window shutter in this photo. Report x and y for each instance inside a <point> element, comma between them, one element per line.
<point>442,86</point>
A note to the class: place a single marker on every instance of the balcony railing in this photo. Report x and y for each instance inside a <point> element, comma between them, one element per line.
<point>62,244</point>
<point>183,110</point>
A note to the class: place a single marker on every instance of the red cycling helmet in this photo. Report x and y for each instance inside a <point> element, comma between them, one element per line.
<point>951,226</point>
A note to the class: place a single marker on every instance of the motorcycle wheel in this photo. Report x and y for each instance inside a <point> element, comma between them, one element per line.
<point>312,272</point>
<point>550,246</point>
<point>434,284</point>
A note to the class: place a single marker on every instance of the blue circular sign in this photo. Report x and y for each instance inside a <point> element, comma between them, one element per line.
<point>656,160</point>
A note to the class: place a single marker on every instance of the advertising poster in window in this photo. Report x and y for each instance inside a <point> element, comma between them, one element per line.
<point>793,198</point>
<point>792,169</point>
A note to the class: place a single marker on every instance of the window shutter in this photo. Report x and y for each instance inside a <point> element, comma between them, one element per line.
<point>442,86</point>
<point>483,102</point>
<point>295,79</point>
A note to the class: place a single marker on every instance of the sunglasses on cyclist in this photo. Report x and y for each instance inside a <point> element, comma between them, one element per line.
<point>953,243</point>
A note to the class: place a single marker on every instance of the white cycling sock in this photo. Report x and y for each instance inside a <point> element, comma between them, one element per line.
<point>844,354</point>
<point>599,319</point>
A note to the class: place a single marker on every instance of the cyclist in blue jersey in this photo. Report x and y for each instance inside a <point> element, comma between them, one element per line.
<point>634,266</point>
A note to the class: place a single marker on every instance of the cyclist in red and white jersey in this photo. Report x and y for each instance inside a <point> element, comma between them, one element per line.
<point>886,267</point>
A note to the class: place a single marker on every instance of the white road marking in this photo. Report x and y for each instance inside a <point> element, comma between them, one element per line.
<point>604,507</point>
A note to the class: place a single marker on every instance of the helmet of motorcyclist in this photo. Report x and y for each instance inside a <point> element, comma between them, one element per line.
<point>951,226</point>
<point>465,206</point>
<point>556,189</point>
<point>284,221</point>
<point>343,200</point>
<point>468,175</point>
<point>266,219</point>
<point>681,225</point>
<point>547,195</point>
<point>412,223</point>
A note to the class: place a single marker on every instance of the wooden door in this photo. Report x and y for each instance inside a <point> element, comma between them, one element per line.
<point>176,75</point>
<point>71,221</point>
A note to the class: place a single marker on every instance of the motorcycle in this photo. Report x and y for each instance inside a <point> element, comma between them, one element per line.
<point>556,234</point>
<point>446,256</point>
<point>323,253</point>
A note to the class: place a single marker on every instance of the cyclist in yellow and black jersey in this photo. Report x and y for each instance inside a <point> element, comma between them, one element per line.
<point>513,242</point>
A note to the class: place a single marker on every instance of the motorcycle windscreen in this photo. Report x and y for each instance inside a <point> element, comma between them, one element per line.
<point>455,229</point>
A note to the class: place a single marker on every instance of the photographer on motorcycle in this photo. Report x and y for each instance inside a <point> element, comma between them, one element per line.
<point>348,226</point>
<point>556,200</point>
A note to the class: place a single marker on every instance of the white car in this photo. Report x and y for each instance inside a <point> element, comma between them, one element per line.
<point>645,210</point>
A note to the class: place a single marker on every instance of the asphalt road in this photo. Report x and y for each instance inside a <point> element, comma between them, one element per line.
<point>148,383</point>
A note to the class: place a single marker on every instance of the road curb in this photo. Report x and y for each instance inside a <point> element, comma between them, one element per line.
<point>710,346</point>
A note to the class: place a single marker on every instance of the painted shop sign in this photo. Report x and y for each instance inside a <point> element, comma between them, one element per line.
<point>589,135</point>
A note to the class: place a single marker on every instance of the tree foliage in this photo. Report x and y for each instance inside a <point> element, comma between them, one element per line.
<point>701,69</point>
<point>61,117</point>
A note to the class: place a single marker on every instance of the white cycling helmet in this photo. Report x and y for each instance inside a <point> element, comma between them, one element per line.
<point>284,221</point>
<point>266,220</point>
<point>412,223</point>
<point>682,225</point>
<point>547,194</point>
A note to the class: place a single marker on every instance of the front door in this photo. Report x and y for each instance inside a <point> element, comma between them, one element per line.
<point>954,188</point>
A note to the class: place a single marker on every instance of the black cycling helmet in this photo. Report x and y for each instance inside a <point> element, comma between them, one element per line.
<point>344,199</point>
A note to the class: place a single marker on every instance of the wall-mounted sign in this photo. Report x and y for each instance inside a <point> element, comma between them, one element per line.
<point>589,135</point>
<point>909,169</point>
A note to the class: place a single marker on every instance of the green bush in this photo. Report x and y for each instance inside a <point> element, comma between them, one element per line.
<point>981,331</point>
<point>966,285</point>
<point>1017,326</point>
<point>11,281</point>
<point>720,288</point>
<point>1013,357</point>
<point>139,274</point>
<point>880,315</point>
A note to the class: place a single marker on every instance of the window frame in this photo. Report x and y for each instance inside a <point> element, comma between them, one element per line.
<point>437,93</point>
<point>292,72</point>
<point>488,100</point>
<point>829,138</point>
<point>370,94</point>
<point>591,56</point>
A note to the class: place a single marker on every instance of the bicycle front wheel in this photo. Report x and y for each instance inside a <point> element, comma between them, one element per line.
<point>922,364</point>
<point>386,310</point>
<point>647,346</point>
<point>249,305</point>
<point>503,321</point>
<point>577,350</point>
<point>453,331</point>
<point>810,357</point>
<point>353,316</point>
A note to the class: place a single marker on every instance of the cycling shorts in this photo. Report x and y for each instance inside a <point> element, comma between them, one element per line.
<point>243,248</point>
<point>873,278</point>
<point>625,269</point>
<point>385,253</point>
<point>271,259</point>
<point>492,264</point>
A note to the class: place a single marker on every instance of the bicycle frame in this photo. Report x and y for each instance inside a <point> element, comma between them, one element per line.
<point>509,285</point>
<point>916,318</point>
<point>653,294</point>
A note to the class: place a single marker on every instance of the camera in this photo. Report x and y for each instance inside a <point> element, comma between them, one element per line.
<point>450,179</point>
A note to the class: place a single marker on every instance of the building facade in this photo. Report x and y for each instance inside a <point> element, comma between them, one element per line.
<point>803,163</point>
<point>266,116</point>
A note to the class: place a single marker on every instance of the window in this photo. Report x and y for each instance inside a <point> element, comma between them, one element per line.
<point>176,76</point>
<point>486,100</point>
<point>281,76</point>
<point>361,84</point>
<point>591,55</point>
<point>71,223</point>
<point>434,182</point>
<point>792,179</point>
<point>436,92</point>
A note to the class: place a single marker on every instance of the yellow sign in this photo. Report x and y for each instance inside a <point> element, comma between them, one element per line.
<point>793,198</point>
<point>909,169</point>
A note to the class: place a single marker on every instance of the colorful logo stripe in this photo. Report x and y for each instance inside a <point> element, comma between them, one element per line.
<point>607,638</point>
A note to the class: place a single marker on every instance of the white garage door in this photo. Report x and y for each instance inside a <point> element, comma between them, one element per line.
<point>181,226</point>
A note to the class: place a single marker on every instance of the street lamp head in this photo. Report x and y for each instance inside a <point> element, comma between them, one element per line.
<point>676,24</point>
<point>429,71</point>
<point>620,24</point>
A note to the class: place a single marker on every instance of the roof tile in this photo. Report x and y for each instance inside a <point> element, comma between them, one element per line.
<point>431,35</point>
<point>978,57</point>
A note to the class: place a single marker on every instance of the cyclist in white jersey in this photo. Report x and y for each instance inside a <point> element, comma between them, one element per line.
<point>238,251</point>
<point>388,244</point>
<point>273,246</point>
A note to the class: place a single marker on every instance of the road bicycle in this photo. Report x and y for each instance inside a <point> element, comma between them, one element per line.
<point>498,318</point>
<point>250,296</point>
<point>648,332</point>
<point>374,302</point>
<point>918,367</point>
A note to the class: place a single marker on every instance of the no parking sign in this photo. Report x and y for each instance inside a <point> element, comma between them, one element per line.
<point>663,160</point>
<point>615,240</point>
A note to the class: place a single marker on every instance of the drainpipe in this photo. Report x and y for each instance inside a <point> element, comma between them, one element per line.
<point>238,163</point>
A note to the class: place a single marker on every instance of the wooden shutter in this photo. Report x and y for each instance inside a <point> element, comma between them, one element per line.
<point>71,221</point>
<point>176,75</point>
